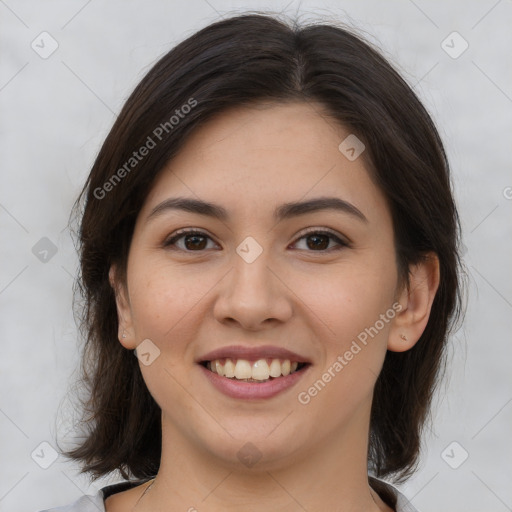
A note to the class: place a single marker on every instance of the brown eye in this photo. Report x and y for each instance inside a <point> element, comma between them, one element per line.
<point>193,241</point>
<point>197,241</point>
<point>319,241</point>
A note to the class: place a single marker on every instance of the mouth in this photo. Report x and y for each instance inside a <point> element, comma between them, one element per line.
<point>253,372</point>
<point>257,371</point>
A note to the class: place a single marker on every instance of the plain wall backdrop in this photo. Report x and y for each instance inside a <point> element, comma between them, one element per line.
<point>66,68</point>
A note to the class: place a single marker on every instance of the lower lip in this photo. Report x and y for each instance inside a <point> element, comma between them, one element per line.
<point>253,390</point>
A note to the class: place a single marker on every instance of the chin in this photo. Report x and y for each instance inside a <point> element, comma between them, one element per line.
<point>256,451</point>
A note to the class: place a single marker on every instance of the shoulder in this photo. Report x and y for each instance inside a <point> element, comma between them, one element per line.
<point>96,502</point>
<point>84,504</point>
<point>392,496</point>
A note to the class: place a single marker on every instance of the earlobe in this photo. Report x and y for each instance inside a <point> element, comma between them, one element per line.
<point>416,301</point>
<point>125,330</point>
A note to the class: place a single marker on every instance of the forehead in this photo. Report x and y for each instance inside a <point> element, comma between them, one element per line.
<point>266,154</point>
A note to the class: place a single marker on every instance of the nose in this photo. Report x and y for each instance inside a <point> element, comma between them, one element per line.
<point>254,296</point>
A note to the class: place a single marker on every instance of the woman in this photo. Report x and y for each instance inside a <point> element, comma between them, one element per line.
<point>269,227</point>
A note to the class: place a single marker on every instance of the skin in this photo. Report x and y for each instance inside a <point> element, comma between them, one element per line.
<point>314,301</point>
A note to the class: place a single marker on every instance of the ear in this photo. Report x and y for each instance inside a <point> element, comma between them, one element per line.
<point>124,315</point>
<point>416,300</point>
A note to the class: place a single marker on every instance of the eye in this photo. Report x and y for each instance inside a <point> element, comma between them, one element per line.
<point>319,240</point>
<point>193,240</point>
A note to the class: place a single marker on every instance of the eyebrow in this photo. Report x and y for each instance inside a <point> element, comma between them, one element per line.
<point>282,212</point>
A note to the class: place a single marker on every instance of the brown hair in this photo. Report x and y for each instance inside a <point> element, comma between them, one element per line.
<point>237,61</point>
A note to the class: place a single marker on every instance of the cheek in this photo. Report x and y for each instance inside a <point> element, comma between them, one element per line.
<point>353,354</point>
<point>162,306</point>
<point>162,296</point>
<point>349,299</point>
<point>353,306</point>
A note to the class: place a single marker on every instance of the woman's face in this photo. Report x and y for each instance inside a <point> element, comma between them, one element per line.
<point>268,276</point>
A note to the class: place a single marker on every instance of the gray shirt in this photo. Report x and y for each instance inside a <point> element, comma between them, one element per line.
<point>389,494</point>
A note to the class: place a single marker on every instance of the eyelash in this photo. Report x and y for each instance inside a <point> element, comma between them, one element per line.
<point>184,232</point>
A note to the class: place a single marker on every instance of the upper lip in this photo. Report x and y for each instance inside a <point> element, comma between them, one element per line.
<point>253,353</point>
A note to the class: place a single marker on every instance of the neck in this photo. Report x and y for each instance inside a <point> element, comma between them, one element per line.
<point>331,475</point>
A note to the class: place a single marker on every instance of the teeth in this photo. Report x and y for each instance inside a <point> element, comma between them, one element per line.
<point>243,369</point>
<point>229,368</point>
<point>219,368</point>
<point>259,370</point>
<point>275,368</point>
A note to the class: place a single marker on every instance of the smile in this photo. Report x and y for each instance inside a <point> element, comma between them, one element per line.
<point>261,370</point>
<point>253,380</point>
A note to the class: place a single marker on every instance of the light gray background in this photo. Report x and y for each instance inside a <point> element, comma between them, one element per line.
<point>55,112</point>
